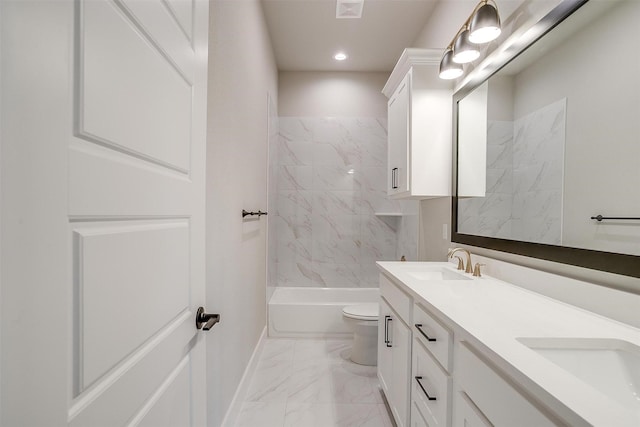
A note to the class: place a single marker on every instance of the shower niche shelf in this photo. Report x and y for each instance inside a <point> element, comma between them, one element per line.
<point>392,219</point>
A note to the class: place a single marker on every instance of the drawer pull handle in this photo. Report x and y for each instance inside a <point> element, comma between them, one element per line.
<point>419,328</point>
<point>423,390</point>
<point>387,341</point>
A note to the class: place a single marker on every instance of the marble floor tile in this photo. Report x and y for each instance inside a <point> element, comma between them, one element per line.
<point>352,389</point>
<point>269,381</point>
<point>312,349</point>
<point>263,414</point>
<point>385,416</point>
<point>352,383</point>
<point>278,349</point>
<point>312,382</point>
<point>329,415</point>
<point>377,391</point>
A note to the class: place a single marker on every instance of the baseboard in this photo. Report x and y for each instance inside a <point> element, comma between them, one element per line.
<point>231,416</point>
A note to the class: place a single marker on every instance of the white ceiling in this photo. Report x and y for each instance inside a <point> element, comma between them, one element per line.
<point>306,34</point>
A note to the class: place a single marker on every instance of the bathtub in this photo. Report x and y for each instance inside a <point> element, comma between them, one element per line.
<point>314,312</point>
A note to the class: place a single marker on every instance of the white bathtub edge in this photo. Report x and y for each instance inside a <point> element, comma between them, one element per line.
<point>294,313</point>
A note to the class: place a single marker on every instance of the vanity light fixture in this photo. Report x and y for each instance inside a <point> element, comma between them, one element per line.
<point>448,69</point>
<point>482,26</point>
<point>485,25</point>
<point>463,50</point>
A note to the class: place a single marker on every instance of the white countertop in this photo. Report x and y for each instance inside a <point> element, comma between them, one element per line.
<point>495,313</point>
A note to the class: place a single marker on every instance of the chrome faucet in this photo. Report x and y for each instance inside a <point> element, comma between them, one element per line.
<point>460,264</point>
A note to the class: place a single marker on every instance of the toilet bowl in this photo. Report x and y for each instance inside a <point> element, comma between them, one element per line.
<point>363,319</point>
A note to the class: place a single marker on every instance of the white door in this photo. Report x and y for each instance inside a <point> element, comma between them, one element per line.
<point>102,212</point>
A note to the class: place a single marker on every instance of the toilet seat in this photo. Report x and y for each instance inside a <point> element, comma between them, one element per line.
<point>368,312</point>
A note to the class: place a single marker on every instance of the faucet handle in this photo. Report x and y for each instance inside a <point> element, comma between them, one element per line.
<point>476,269</point>
<point>460,263</point>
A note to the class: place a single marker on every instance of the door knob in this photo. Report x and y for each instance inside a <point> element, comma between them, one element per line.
<point>205,321</point>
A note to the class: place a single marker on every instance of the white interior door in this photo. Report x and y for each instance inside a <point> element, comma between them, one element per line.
<point>102,212</point>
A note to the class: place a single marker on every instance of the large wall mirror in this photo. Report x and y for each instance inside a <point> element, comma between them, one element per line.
<point>551,140</point>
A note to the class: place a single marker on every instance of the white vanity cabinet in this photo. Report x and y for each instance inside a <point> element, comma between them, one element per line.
<point>485,352</point>
<point>485,397</point>
<point>394,349</point>
<point>419,127</point>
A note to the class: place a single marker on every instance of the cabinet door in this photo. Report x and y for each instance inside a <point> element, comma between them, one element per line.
<point>401,346</point>
<point>493,394</point>
<point>385,362</point>
<point>398,139</point>
<point>467,414</point>
<point>417,420</point>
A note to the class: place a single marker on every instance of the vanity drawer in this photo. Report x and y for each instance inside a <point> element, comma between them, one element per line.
<point>433,335</point>
<point>497,399</point>
<point>431,387</point>
<point>397,299</point>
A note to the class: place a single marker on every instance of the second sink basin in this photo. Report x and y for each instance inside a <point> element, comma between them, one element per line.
<point>437,273</point>
<point>608,365</point>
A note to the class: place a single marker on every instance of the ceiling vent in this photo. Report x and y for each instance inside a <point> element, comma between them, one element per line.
<point>349,9</point>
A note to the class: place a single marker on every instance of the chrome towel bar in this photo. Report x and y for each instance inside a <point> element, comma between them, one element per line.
<point>246,213</point>
<point>625,218</point>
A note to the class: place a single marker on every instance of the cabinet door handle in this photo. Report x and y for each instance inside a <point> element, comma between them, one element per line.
<point>394,178</point>
<point>387,341</point>
<point>419,328</point>
<point>386,329</point>
<point>423,390</point>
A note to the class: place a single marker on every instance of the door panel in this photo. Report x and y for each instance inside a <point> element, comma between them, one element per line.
<point>182,10</point>
<point>120,395</point>
<point>161,23</point>
<point>103,148</point>
<point>170,405</point>
<point>133,280</point>
<point>95,185</point>
<point>132,97</point>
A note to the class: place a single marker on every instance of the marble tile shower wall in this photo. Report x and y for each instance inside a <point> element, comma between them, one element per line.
<point>331,182</point>
<point>525,163</point>
<point>272,195</point>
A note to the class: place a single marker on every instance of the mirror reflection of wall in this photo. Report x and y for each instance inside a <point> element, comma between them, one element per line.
<point>524,168</point>
<point>563,137</point>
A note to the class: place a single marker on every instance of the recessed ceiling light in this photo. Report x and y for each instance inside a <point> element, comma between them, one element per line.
<point>340,56</point>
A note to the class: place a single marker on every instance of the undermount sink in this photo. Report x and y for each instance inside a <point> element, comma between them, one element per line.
<point>437,273</point>
<point>608,365</point>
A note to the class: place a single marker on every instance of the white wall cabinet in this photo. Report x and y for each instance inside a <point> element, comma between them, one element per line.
<point>419,127</point>
<point>398,137</point>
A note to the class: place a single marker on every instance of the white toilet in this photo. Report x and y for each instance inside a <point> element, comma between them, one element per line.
<point>363,319</point>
